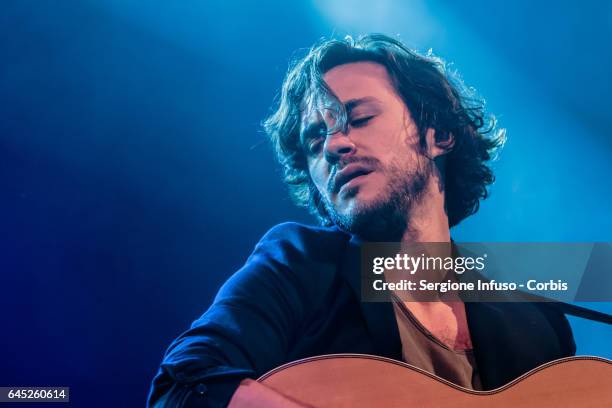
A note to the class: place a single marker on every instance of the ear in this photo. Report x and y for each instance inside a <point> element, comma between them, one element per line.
<point>439,142</point>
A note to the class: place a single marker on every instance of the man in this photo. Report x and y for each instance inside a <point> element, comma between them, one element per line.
<point>382,145</point>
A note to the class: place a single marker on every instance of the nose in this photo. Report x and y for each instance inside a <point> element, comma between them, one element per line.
<point>338,145</point>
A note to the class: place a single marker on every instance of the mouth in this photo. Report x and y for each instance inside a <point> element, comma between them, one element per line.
<point>350,173</point>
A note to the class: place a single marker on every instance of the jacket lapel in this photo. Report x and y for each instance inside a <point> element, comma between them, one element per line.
<point>509,339</point>
<point>379,316</point>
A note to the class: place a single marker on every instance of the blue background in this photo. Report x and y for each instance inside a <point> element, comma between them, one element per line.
<point>135,178</point>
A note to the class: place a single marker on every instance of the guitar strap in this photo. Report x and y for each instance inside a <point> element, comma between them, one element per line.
<point>584,312</point>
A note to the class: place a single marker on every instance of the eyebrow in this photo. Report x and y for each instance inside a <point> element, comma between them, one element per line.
<point>307,131</point>
<point>353,103</point>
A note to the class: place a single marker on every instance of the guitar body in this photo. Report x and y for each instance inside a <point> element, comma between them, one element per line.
<point>354,380</point>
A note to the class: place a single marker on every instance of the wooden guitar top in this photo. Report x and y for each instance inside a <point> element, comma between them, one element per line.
<point>356,380</point>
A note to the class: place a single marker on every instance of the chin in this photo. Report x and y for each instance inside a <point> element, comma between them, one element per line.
<point>374,216</point>
<point>363,198</point>
<point>357,210</point>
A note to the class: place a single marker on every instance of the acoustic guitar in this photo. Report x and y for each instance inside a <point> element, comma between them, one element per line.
<point>359,380</point>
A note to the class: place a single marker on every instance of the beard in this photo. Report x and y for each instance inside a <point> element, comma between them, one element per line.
<point>387,218</point>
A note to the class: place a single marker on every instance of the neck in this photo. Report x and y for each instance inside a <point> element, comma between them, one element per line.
<point>428,219</point>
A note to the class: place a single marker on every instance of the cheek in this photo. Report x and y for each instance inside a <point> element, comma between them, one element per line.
<point>398,141</point>
<point>318,175</point>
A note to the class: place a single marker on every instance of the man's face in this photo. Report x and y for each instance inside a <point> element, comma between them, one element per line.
<point>370,175</point>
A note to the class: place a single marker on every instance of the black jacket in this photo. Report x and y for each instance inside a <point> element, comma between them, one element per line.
<point>298,296</point>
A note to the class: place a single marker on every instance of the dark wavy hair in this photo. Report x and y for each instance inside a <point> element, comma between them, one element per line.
<point>435,97</point>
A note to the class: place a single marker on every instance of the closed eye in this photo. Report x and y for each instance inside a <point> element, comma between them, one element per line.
<point>360,122</point>
<point>314,145</point>
<point>313,137</point>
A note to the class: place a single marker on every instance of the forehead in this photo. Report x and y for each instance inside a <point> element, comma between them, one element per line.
<point>355,81</point>
<point>358,80</point>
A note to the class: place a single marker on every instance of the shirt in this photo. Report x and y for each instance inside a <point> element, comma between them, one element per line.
<point>298,295</point>
<point>420,348</point>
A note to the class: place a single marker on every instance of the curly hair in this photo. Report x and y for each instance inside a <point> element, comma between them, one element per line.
<point>435,97</point>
